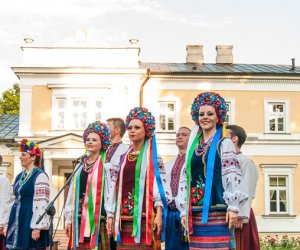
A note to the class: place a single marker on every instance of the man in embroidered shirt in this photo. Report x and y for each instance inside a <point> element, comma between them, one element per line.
<point>6,200</point>
<point>170,178</point>
<point>113,154</point>
<point>246,234</point>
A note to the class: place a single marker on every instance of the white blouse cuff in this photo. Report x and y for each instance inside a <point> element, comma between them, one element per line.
<point>235,200</point>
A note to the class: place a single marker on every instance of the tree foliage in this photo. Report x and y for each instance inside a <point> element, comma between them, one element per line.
<point>10,101</point>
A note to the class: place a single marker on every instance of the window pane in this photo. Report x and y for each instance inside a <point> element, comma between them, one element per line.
<point>273,206</point>
<point>273,195</point>
<point>61,120</point>
<point>98,116</point>
<point>171,124</point>
<point>282,206</point>
<point>162,121</point>
<point>273,181</point>
<point>282,181</point>
<point>79,110</point>
<point>61,103</point>
<point>279,108</point>
<point>98,104</point>
<point>171,107</point>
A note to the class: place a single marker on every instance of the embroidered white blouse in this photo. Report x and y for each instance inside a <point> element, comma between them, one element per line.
<point>6,200</point>
<point>40,202</point>
<point>233,195</point>
<point>250,177</point>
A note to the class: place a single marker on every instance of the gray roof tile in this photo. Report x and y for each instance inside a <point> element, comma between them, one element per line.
<point>9,126</point>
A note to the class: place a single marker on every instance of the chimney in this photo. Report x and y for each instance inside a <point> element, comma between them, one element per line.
<point>194,54</point>
<point>224,54</point>
<point>293,64</point>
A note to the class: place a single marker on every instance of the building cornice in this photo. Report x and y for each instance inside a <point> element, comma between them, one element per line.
<point>231,78</point>
<point>60,71</point>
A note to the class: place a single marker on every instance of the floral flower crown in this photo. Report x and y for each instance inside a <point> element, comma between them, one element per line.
<point>30,148</point>
<point>100,129</point>
<point>145,117</point>
<point>213,99</point>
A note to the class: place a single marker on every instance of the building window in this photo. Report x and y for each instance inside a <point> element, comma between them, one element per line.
<point>61,113</point>
<point>230,116</point>
<point>276,116</point>
<point>79,113</point>
<point>278,194</point>
<point>75,113</point>
<point>167,116</point>
<point>278,189</point>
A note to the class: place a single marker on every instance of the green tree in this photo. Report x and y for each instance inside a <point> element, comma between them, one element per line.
<point>10,101</point>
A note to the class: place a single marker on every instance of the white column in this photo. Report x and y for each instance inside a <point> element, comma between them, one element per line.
<point>25,111</point>
<point>17,166</point>
<point>48,170</point>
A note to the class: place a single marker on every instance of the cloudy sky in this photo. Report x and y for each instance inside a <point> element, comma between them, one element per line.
<point>261,31</point>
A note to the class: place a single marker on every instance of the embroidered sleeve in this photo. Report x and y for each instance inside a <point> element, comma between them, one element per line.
<point>111,179</point>
<point>165,174</point>
<point>180,199</point>
<point>156,196</point>
<point>69,205</point>
<point>234,195</point>
<point>6,201</point>
<point>250,177</point>
<point>40,202</point>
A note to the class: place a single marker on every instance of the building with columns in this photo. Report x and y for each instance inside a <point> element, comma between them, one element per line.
<point>65,88</point>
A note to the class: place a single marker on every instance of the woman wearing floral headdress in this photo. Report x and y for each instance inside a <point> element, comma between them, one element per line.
<point>84,224</point>
<point>139,193</point>
<point>210,195</point>
<point>31,190</point>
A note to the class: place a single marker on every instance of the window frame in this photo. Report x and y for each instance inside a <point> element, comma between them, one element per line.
<point>279,171</point>
<point>286,119</point>
<point>176,115</point>
<point>231,114</point>
<point>91,110</point>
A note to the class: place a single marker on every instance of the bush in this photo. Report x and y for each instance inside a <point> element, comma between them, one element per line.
<point>275,242</point>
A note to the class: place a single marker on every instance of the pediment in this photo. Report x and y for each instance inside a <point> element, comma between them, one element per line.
<point>65,141</point>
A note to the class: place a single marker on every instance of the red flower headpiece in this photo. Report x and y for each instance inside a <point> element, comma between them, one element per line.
<point>30,148</point>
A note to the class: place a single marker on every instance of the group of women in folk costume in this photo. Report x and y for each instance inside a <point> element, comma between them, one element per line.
<point>133,192</point>
<point>124,198</point>
<point>209,191</point>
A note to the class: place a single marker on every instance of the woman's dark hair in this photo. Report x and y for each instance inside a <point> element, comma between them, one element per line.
<point>39,161</point>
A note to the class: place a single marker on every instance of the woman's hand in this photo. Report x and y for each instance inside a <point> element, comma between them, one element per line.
<point>183,221</point>
<point>35,235</point>
<point>231,218</point>
<point>239,223</point>
<point>109,226</point>
<point>158,220</point>
<point>68,230</point>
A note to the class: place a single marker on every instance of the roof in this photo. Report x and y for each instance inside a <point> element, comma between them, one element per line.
<point>220,69</point>
<point>9,126</point>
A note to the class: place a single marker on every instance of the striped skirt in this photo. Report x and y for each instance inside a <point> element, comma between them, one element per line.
<point>127,241</point>
<point>212,235</point>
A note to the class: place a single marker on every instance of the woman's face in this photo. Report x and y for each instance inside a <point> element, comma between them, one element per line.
<point>93,143</point>
<point>136,130</point>
<point>26,159</point>
<point>207,118</point>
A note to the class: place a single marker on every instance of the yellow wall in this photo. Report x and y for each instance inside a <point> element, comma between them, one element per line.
<point>249,107</point>
<point>41,108</point>
<point>259,201</point>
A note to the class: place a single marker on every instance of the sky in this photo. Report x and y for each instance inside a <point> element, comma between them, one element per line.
<point>261,31</point>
